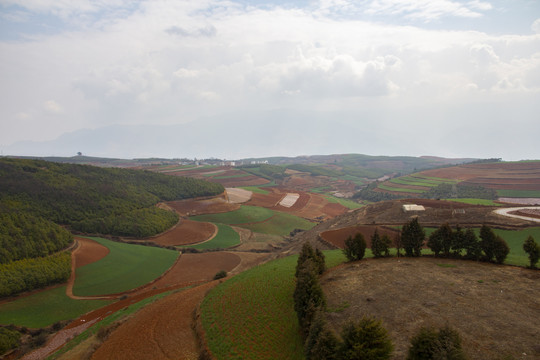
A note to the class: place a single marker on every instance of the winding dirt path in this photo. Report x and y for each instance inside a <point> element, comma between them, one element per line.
<point>506,212</point>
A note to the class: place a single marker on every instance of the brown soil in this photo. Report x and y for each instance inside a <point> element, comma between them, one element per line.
<point>337,237</point>
<point>494,308</point>
<point>529,213</point>
<point>89,251</point>
<point>161,330</point>
<point>187,232</point>
<point>195,268</point>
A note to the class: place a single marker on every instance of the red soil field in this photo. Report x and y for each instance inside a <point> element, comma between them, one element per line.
<point>530,213</point>
<point>195,268</point>
<point>161,330</point>
<point>89,251</point>
<point>250,180</point>
<point>186,232</point>
<point>338,237</point>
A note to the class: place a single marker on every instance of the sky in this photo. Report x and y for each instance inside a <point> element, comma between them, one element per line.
<point>452,78</point>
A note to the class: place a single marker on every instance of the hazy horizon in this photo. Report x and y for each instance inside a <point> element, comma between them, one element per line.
<point>252,78</point>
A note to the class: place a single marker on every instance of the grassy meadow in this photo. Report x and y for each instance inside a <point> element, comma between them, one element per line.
<point>124,268</point>
<point>251,316</point>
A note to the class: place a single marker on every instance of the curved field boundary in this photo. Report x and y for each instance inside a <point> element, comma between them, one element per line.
<point>187,232</point>
<point>337,237</point>
<point>126,267</point>
<point>225,237</point>
<point>507,212</point>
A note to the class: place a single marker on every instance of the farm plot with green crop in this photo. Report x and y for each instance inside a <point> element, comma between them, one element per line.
<point>473,201</point>
<point>45,308</point>
<point>124,268</point>
<point>402,189</point>
<point>349,204</point>
<point>251,316</point>
<point>225,238</point>
<point>519,193</point>
<point>246,214</point>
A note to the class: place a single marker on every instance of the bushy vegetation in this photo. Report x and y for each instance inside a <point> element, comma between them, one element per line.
<point>444,191</point>
<point>412,238</point>
<point>368,193</point>
<point>432,344</point>
<point>308,295</point>
<point>28,274</point>
<point>68,193</point>
<point>380,246</point>
<point>366,339</point>
<point>446,242</point>
<point>355,247</point>
<point>9,339</point>
<point>25,236</point>
<point>138,223</point>
<point>533,251</point>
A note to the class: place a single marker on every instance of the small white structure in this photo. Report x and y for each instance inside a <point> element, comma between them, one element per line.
<point>413,207</point>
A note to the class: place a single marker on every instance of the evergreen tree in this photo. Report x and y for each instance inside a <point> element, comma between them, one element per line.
<point>365,340</point>
<point>412,237</point>
<point>355,247</point>
<point>380,245</point>
<point>441,240</point>
<point>533,250</point>
<point>321,343</point>
<point>500,250</point>
<point>308,294</point>
<point>471,245</point>
<point>487,242</point>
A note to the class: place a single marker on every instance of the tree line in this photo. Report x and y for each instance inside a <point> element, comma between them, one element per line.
<point>29,274</point>
<point>26,236</point>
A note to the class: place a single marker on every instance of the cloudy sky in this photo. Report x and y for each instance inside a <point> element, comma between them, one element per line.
<point>453,78</point>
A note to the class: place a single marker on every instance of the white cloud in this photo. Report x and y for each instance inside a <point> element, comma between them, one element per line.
<point>536,26</point>
<point>176,62</point>
<point>52,107</point>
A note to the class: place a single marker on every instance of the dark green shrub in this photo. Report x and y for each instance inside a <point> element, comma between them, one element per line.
<point>321,343</point>
<point>429,343</point>
<point>533,250</point>
<point>441,240</point>
<point>308,295</point>
<point>380,246</point>
<point>365,340</point>
<point>500,250</point>
<point>487,242</point>
<point>471,245</point>
<point>412,238</point>
<point>220,275</point>
<point>9,339</point>
<point>355,247</point>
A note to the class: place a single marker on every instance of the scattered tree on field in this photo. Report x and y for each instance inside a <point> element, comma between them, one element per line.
<point>366,339</point>
<point>412,238</point>
<point>429,343</point>
<point>380,246</point>
<point>533,250</point>
<point>316,256</point>
<point>355,247</point>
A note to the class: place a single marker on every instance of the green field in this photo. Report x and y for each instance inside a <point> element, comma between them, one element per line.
<point>225,238</point>
<point>413,181</point>
<point>232,176</point>
<point>519,193</point>
<point>280,224</point>
<point>45,308</point>
<point>349,204</point>
<point>124,268</point>
<point>251,316</point>
<point>246,214</point>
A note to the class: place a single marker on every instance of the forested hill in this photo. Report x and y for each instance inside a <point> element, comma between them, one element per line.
<point>92,199</point>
